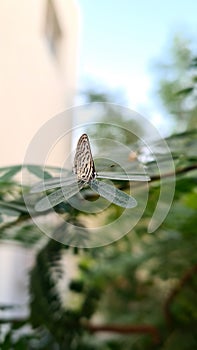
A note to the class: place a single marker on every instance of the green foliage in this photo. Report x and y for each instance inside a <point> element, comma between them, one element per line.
<point>144,280</point>
<point>176,86</point>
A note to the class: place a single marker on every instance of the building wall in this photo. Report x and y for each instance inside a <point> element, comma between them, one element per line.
<point>15,263</point>
<point>36,83</point>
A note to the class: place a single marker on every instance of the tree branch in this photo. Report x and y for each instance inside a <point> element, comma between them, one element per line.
<point>177,172</point>
<point>18,221</point>
<point>125,329</point>
<point>182,282</point>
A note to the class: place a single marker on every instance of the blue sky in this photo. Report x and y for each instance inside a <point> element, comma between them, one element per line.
<point>120,40</point>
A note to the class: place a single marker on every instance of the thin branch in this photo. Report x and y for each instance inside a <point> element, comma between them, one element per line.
<point>125,329</point>
<point>18,221</point>
<point>175,291</point>
<point>177,172</point>
<point>21,219</point>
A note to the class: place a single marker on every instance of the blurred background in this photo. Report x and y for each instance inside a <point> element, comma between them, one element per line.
<point>141,292</point>
<point>55,53</point>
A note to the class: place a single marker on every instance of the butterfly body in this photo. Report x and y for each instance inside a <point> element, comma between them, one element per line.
<point>84,166</point>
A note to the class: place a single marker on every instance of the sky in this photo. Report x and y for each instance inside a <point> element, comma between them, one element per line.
<point>120,41</point>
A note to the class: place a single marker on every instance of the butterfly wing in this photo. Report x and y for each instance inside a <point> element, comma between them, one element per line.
<point>113,194</point>
<point>83,162</point>
<point>58,196</point>
<point>123,177</point>
<point>52,183</point>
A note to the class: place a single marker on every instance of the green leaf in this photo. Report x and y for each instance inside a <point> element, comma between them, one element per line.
<point>8,211</point>
<point>38,171</point>
<point>10,173</point>
<point>14,205</point>
<point>185,91</point>
<point>191,200</point>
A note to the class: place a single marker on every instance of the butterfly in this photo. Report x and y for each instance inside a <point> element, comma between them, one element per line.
<point>84,173</point>
<point>84,166</point>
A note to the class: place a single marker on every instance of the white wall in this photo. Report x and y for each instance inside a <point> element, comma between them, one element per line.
<point>15,263</point>
<point>34,85</point>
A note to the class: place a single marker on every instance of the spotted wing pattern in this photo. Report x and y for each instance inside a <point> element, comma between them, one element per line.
<point>83,162</point>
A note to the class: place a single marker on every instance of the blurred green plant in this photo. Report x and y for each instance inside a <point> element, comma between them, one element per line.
<point>176,83</point>
<point>137,293</point>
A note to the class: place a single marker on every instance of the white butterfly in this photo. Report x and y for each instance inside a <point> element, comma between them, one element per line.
<point>85,174</point>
